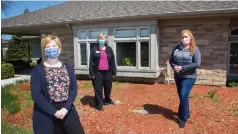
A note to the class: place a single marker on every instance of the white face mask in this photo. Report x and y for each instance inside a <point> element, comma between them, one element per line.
<point>186,41</point>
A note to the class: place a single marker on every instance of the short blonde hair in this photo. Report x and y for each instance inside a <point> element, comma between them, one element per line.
<point>102,36</point>
<point>46,39</point>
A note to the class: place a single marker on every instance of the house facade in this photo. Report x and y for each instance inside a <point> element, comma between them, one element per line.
<point>142,40</point>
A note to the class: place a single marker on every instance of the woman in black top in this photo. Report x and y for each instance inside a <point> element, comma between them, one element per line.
<point>102,68</point>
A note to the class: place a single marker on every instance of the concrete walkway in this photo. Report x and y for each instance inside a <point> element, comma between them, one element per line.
<point>13,80</point>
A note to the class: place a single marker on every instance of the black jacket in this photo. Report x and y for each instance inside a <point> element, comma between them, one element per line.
<point>95,58</point>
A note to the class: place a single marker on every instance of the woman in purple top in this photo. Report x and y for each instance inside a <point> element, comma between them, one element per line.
<point>102,68</point>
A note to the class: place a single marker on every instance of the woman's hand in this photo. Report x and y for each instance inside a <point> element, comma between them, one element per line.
<point>60,114</point>
<point>178,68</point>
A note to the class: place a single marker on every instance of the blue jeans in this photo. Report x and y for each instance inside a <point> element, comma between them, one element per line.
<point>184,86</point>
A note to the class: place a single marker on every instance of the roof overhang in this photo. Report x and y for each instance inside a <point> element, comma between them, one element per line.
<point>33,29</point>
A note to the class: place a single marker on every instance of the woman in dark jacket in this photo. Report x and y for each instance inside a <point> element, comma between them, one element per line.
<point>102,69</point>
<point>54,89</point>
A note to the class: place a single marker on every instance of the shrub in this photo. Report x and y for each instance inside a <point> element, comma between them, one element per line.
<point>233,83</point>
<point>7,71</point>
<point>212,95</point>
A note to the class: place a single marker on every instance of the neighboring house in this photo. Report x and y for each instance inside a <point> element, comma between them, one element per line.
<point>141,33</point>
<point>4,47</point>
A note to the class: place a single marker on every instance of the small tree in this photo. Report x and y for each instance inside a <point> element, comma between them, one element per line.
<point>17,49</point>
<point>26,10</point>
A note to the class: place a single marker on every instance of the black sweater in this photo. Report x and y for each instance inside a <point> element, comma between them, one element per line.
<point>95,58</point>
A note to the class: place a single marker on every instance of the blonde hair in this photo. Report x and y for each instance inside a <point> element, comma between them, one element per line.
<point>102,36</point>
<point>47,39</point>
<point>192,43</point>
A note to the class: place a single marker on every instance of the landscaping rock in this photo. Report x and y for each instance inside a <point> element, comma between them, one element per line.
<point>142,111</point>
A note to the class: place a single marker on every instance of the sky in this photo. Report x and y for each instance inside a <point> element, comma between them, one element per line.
<point>18,7</point>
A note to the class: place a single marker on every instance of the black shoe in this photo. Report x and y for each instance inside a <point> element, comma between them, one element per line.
<point>99,108</point>
<point>109,102</point>
<point>181,124</point>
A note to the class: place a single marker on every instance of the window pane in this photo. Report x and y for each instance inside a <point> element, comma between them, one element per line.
<point>234,58</point>
<point>125,33</point>
<point>144,54</point>
<point>94,34</point>
<point>234,31</point>
<point>83,52</point>
<point>144,32</point>
<point>82,35</point>
<point>126,53</point>
<point>92,45</point>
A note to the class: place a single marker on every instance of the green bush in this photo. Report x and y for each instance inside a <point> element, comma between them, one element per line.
<point>233,83</point>
<point>7,71</point>
<point>9,100</point>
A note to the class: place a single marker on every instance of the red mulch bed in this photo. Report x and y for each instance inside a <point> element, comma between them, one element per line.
<point>207,116</point>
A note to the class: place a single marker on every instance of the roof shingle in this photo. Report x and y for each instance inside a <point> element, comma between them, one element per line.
<point>93,10</point>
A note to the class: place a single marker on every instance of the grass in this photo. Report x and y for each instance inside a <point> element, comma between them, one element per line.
<point>88,84</point>
<point>16,97</point>
<point>10,129</point>
<point>212,95</point>
<point>9,100</point>
<point>21,81</point>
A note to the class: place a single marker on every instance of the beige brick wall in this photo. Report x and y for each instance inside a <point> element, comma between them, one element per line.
<point>211,35</point>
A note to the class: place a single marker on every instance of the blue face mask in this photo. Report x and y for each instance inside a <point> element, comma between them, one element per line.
<point>52,52</point>
<point>101,42</point>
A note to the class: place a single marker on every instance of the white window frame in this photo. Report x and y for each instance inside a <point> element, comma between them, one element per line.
<point>87,41</point>
<point>136,39</point>
<point>229,51</point>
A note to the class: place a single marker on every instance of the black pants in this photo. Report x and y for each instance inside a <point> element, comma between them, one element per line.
<point>102,79</point>
<point>69,125</point>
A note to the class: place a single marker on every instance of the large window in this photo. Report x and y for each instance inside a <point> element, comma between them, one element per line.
<point>83,52</point>
<point>144,54</point>
<point>132,46</point>
<point>233,65</point>
<point>86,41</point>
<point>126,53</point>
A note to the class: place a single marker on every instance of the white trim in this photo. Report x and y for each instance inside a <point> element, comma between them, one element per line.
<point>228,64</point>
<point>120,24</point>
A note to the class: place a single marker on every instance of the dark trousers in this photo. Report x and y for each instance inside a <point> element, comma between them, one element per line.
<point>184,86</point>
<point>69,125</point>
<point>102,79</point>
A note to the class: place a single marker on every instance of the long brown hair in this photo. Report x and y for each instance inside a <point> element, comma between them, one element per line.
<point>192,43</point>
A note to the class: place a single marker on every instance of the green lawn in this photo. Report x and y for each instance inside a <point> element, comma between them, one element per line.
<point>10,129</point>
